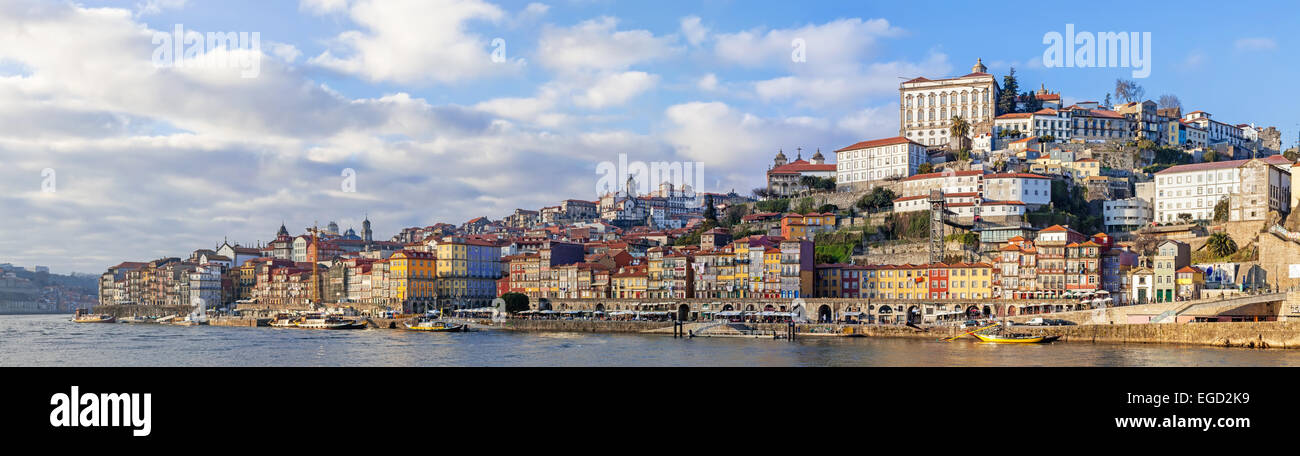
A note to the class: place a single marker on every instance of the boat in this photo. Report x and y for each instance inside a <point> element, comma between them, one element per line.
<point>1016,338</point>
<point>284,321</point>
<point>82,316</point>
<point>137,319</point>
<point>328,322</point>
<point>429,325</point>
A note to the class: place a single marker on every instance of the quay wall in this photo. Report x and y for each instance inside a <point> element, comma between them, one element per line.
<point>1265,334</point>
<point>240,322</point>
<point>595,326</point>
<point>120,311</point>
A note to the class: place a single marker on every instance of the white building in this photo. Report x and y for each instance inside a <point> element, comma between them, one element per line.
<point>862,165</point>
<point>1217,132</point>
<point>1253,187</point>
<point>1044,122</point>
<point>927,106</point>
<point>1032,189</point>
<point>205,287</point>
<point>1126,214</point>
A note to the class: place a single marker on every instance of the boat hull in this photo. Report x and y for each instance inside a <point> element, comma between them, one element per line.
<point>1016,340</point>
<point>95,320</point>
<point>436,328</point>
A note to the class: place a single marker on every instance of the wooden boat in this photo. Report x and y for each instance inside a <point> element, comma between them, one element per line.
<point>434,326</point>
<point>94,319</point>
<point>137,319</point>
<point>328,322</point>
<point>1016,338</point>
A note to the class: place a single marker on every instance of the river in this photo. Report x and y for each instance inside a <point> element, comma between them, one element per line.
<point>53,340</point>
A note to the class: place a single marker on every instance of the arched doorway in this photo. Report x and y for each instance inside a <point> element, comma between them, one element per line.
<point>600,307</point>
<point>987,311</point>
<point>824,314</point>
<point>769,308</point>
<point>972,312</point>
<point>886,315</point>
<point>683,312</point>
<point>728,308</point>
<point>1011,311</point>
<point>913,315</point>
<point>543,304</point>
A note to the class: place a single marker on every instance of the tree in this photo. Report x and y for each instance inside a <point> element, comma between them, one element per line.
<point>710,212</point>
<point>1106,102</point>
<point>1169,100</point>
<point>1209,156</point>
<point>1185,217</point>
<point>960,129</point>
<point>1128,91</point>
<point>761,192</point>
<point>1032,103</point>
<point>1221,210</point>
<point>879,198</point>
<point>805,206</point>
<point>515,302</point>
<point>1145,243</point>
<point>1292,154</point>
<point>925,168</point>
<point>1010,90</point>
<point>734,215</point>
<point>828,209</point>
<point>1221,245</point>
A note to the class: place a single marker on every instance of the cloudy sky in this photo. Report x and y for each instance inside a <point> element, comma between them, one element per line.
<point>452,109</point>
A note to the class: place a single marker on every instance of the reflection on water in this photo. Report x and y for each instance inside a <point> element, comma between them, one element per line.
<point>52,340</point>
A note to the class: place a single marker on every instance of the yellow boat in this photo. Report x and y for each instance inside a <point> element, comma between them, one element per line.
<point>434,326</point>
<point>1016,338</point>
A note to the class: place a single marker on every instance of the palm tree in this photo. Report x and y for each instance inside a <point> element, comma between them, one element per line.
<point>1221,245</point>
<point>959,129</point>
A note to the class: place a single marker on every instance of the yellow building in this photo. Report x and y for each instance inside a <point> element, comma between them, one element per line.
<point>970,281</point>
<point>411,275</point>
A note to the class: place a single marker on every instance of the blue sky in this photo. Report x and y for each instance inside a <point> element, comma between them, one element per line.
<point>160,161</point>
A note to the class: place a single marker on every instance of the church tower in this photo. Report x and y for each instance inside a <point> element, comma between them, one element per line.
<point>780,159</point>
<point>365,230</point>
<point>979,66</point>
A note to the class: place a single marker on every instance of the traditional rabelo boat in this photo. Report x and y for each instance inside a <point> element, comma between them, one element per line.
<point>81,316</point>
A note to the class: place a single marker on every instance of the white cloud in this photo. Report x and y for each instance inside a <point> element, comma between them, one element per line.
<point>597,45</point>
<point>1255,44</point>
<point>323,6</point>
<point>616,89</point>
<point>707,83</point>
<point>835,46</point>
<point>695,32</point>
<point>157,6</point>
<point>848,88</point>
<point>416,42</point>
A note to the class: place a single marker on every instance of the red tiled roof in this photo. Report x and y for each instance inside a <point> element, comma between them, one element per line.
<point>940,174</point>
<point>1015,175</point>
<point>801,166</point>
<point>880,142</point>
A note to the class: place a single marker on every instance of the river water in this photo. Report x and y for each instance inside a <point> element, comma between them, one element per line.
<point>53,340</point>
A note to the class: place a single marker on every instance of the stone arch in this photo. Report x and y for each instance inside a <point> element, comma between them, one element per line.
<point>914,314</point>
<point>824,314</point>
<point>1011,311</point>
<point>600,307</point>
<point>683,312</point>
<point>543,304</point>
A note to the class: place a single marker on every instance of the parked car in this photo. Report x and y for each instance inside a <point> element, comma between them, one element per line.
<point>969,324</point>
<point>1036,321</point>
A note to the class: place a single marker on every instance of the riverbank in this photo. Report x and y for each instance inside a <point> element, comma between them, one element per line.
<point>1270,334</point>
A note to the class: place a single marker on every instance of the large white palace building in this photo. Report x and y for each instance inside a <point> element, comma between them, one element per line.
<point>927,106</point>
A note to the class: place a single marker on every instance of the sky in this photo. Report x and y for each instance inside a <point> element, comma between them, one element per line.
<point>414,112</point>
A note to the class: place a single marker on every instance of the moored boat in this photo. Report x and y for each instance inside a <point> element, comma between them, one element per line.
<point>428,325</point>
<point>328,322</point>
<point>82,316</point>
<point>1016,338</point>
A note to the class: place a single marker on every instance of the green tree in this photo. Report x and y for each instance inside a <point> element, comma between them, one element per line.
<point>1209,156</point>
<point>1221,210</point>
<point>879,198</point>
<point>1185,217</point>
<point>1010,90</point>
<point>925,168</point>
<point>805,206</point>
<point>1032,103</point>
<point>734,214</point>
<point>515,302</point>
<point>710,212</point>
<point>960,129</point>
<point>1221,245</point>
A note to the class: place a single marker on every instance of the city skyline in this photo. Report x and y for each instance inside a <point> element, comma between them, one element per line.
<point>152,162</point>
